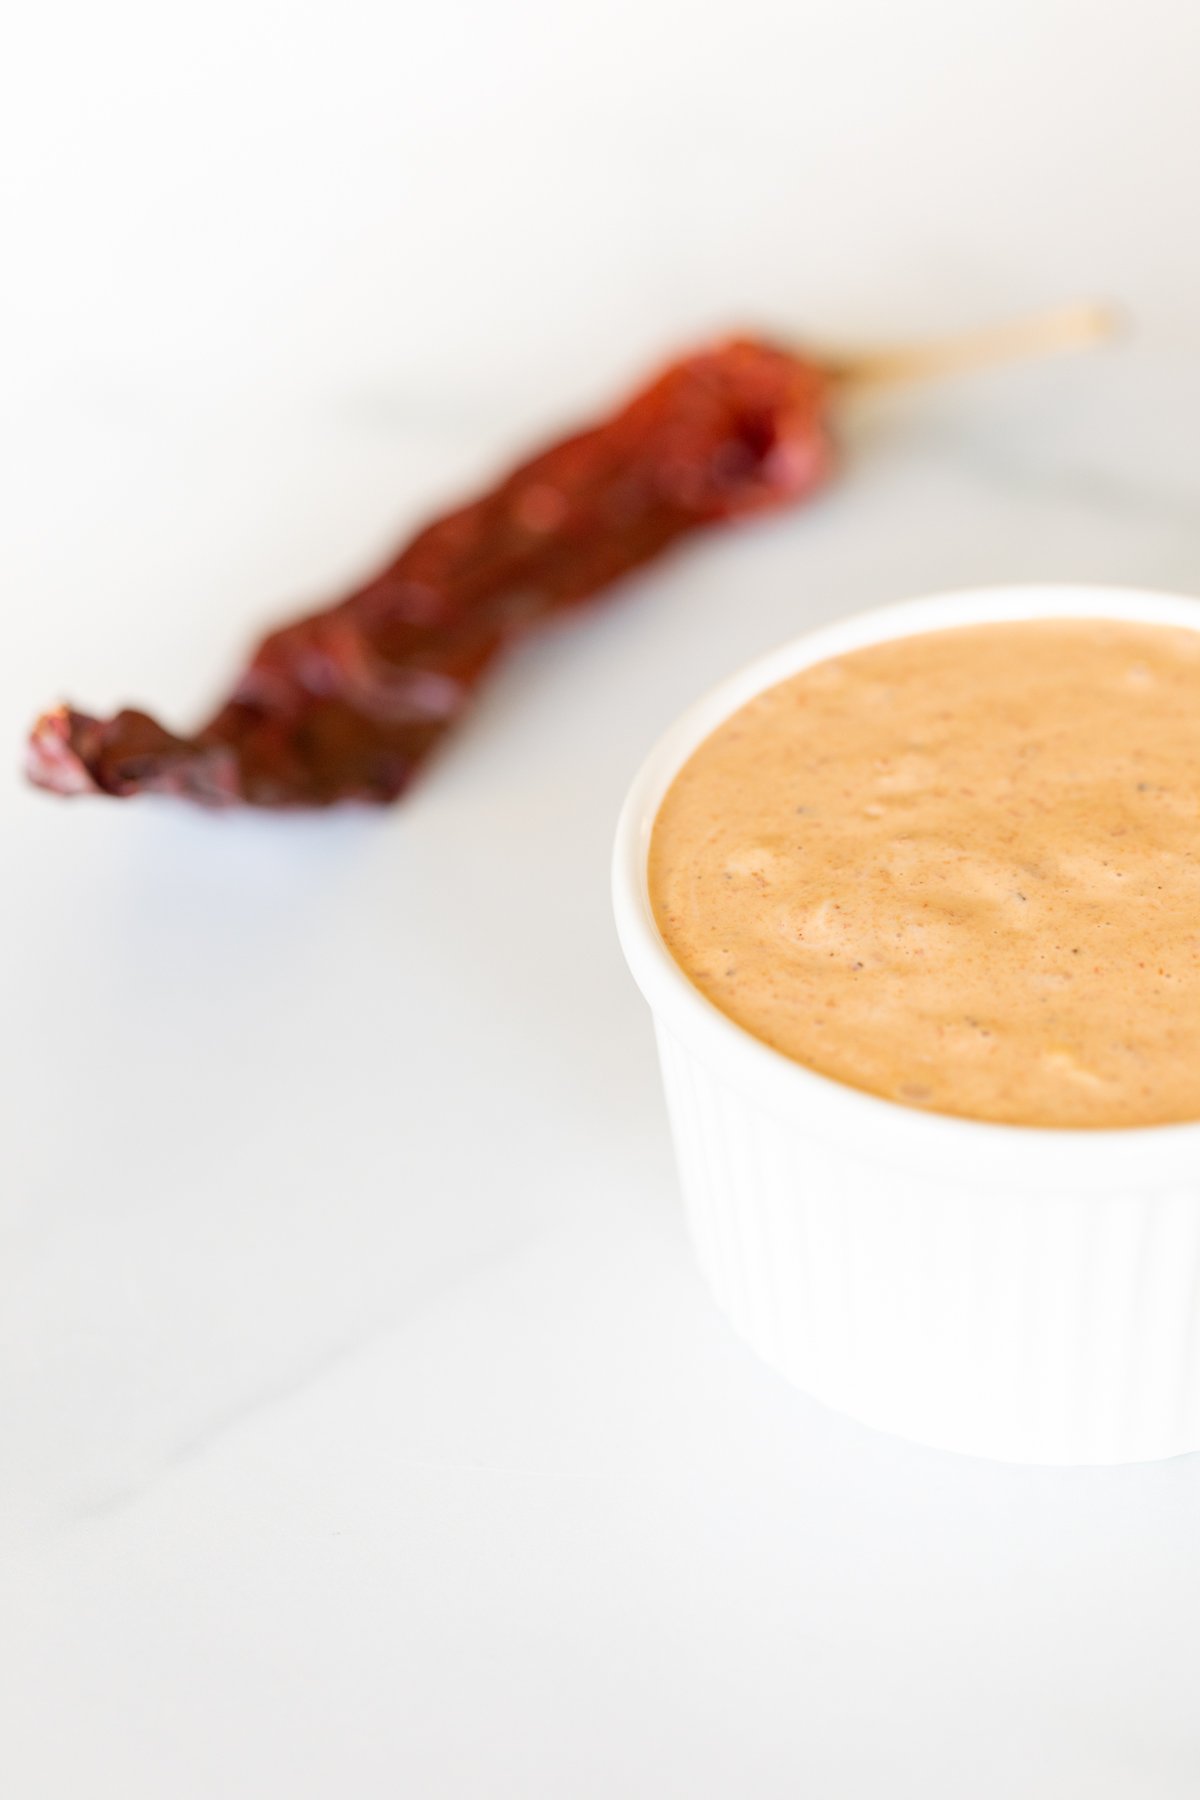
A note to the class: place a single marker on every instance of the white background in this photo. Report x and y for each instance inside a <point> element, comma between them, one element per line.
<point>364,1428</point>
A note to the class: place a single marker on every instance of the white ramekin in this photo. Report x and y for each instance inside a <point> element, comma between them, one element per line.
<point>1026,1294</point>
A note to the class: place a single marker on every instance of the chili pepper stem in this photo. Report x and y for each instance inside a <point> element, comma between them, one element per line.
<point>1066,328</point>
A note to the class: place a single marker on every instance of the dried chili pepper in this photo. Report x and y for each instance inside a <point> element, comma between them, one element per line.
<point>347,703</point>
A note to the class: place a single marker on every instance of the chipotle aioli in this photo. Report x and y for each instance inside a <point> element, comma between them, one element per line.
<point>960,870</point>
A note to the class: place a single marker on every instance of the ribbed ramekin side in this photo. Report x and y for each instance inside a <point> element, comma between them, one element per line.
<point>1018,1321</point>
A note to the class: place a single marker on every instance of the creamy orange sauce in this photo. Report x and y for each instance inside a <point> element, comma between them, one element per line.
<point>961,870</point>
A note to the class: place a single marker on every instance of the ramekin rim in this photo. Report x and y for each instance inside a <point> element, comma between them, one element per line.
<point>756,1066</point>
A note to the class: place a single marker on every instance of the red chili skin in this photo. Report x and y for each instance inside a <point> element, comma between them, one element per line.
<point>346,704</point>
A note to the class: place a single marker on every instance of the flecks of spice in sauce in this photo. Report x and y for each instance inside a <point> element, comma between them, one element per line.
<point>992,907</point>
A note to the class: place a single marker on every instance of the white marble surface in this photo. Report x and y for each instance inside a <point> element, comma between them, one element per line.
<point>364,1428</point>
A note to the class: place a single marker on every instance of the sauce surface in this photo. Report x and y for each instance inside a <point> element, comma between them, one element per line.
<point>960,870</point>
